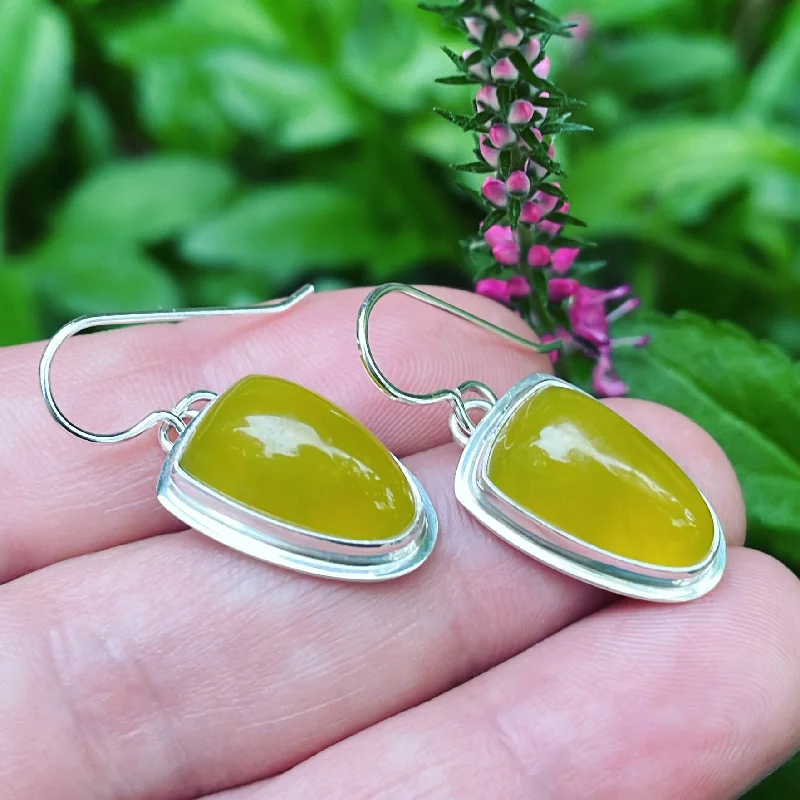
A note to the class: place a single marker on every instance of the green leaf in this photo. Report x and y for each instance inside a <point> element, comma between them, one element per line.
<point>93,128</point>
<point>145,200</point>
<point>43,89</point>
<point>19,316</point>
<point>98,277</point>
<point>660,62</point>
<point>18,21</point>
<point>673,170</point>
<point>480,167</point>
<point>284,230</point>
<point>746,393</point>
<point>778,75</point>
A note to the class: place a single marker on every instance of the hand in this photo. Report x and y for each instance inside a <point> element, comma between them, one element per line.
<point>140,660</point>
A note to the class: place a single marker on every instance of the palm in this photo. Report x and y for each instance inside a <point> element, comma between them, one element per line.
<point>141,661</point>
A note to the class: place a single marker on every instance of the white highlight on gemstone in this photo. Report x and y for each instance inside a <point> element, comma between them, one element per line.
<point>562,441</point>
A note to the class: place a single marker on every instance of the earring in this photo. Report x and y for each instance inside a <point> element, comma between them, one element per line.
<point>275,471</point>
<point>563,478</point>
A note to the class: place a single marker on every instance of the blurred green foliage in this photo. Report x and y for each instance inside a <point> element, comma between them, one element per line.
<point>160,153</point>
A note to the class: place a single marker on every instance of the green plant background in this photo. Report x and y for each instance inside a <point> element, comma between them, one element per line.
<point>162,153</point>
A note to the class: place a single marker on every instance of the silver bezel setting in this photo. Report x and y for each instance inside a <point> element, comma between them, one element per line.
<point>556,548</point>
<point>278,542</point>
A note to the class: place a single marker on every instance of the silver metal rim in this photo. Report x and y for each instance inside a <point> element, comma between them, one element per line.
<point>277,542</point>
<point>558,549</point>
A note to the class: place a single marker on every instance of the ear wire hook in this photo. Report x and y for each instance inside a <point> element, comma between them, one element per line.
<point>453,396</point>
<point>170,418</point>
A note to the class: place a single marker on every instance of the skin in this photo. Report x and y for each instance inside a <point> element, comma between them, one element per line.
<point>146,662</point>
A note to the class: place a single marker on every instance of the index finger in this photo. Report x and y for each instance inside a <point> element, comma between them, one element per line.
<point>64,497</point>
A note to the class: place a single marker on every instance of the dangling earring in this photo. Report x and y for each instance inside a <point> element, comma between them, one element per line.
<point>275,471</point>
<point>561,477</point>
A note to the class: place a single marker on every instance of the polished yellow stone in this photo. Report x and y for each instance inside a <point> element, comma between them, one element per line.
<point>282,450</point>
<point>581,468</point>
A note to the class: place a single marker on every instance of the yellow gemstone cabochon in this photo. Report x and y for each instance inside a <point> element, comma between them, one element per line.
<point>283,450</point>
<point>579,467</point>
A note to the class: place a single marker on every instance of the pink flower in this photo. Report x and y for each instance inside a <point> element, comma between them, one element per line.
<point>520,113</point>
<point>503,291</point>
<point>564,258</point>
<point>490,155</point>
<point>519,183</point>
<point>559,289</point>
<point>531,50</point>
<point>502,136</point>
<point>504,70</point>
<point>548,202</point>
<point>503,243</point>
<point>542,69</point>
<point>539,256</point>
<point>476,27</point>
<point>492,13</point>
<point>606,382</point>
<point>487,98</point>
<point>511,38</point>
<point>531,213</point>
<point>587,313</point>
<point>550,228</point>
<point>494,191</point>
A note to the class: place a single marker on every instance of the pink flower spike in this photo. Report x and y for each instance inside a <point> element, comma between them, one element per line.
<point>511,38</point>
<point>490,155</point>
<point>548,202</point>
<point>487,98</point>
<point>542,69</point>
<point>560,289</point>
<point>520,113</point>
<point>502,136</point>
<point>539,256</point>
<point>504,70</point>
<point>503,291</point>
<point>531,213</point>
<point>498,234</point>
<point>519,183</point>
<point>476,27</point>
<point>531,50</point>
<point>606,382</point>
<point>564,258</point>
<point>494,191</point>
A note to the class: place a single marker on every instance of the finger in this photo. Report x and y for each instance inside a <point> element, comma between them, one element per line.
<point>180,667</point>
<point>63,497</point>
<point>697,701</point>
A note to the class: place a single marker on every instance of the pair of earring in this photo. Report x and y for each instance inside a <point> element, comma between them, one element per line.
<point>281,474</point>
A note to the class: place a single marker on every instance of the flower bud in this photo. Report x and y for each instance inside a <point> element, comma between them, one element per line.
<point>502,136</point>
<point>531,50</point>
<point>479,69</point>
<point>490,155</point>
<point>561,288</point>
<point>542,69</point>
<point>476,27</point>
<point>494,190</point>
<point>492,13</point>
<point>531,213</point>
<point>539,256</point>
<point>519,183</point>
<point>564,258</point>
<point>521,112</point>
<point>504,70</point>
<point>487,98</point>
<point>510,38</point>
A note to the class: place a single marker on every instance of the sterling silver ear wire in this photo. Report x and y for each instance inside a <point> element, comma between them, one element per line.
<point>274,470</point>
<point>564,479</point>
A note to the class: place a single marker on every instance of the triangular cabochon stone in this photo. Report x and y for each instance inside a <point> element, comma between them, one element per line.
<point>286,452</point>
<point>573,463</point>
